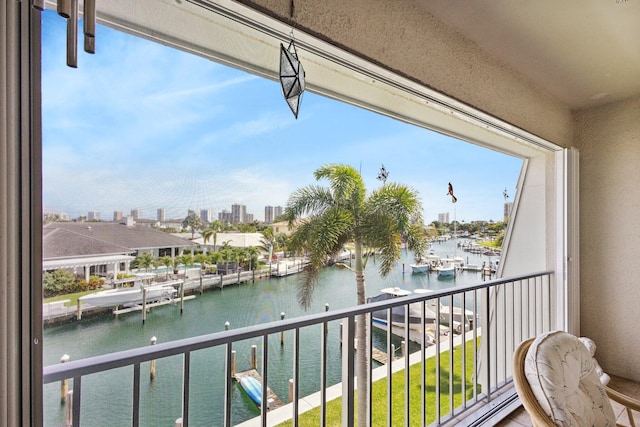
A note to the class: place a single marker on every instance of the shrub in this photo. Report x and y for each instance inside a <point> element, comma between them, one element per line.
<point>57,282</point>
<point>95,282</point>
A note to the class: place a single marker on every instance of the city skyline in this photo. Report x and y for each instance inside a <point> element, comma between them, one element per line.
<point>178,132</point>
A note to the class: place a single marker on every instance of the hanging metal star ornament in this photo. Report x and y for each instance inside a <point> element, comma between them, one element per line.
<point>291,76</point>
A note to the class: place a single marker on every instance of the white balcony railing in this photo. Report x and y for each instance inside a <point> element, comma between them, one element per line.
<point>464,361</point>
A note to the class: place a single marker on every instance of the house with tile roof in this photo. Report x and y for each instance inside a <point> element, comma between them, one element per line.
<point>104,248</point>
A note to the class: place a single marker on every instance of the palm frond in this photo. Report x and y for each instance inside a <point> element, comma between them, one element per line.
<point>308,200</point>
<point>346,183</point>
<point>306,285</point>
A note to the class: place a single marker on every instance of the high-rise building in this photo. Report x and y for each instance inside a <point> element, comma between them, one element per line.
<point>93,216</point>
<point>271,213</point>
<point>507,209</point>
<point>162,216</point>
<point>277,211</point>
<point>268,214</point>
<point>237,213</point>
<point>206,215</point>
<point>224,216</point>
<point>135,213</point>
<point>248,218</point>
<point>117,215</point>
<point>443,218</point>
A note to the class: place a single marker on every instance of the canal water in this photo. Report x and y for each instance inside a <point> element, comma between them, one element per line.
<point>106,397</point>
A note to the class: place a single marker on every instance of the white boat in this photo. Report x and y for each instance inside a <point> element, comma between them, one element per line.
<point>420,267</point>
<point>132,296</point>
<point>446,270</point>
<point>380,321</point>
<point>425,263</point>
<point>457,261</point>
<point>446,312</point>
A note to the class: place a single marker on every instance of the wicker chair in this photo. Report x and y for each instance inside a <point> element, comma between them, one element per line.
<point>557,384</point>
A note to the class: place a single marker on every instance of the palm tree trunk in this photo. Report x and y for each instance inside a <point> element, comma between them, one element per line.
<point>362,369</point>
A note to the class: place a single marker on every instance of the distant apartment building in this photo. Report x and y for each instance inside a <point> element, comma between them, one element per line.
<point>443,218</point>
<point>117,216</point>
<point>162,215</point>
<point>268,214</point>
<point>206,215</point>
<point>237,213</point>
<point>507,209</point>
<point>248,218</point>
<point>93,216</point>
<point>271,213</point>
<point>224,216</point>
<point>135,213</point>
<point>56,216</point>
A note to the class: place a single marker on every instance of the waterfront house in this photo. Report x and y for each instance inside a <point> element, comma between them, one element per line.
<point>104,248</point>
<point>554,83</point>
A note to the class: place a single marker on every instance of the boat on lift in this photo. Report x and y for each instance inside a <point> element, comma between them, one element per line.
<point>137,294</point>
<point>380,320</point>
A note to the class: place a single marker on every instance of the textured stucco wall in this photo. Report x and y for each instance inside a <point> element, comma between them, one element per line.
<point>609,142</point>
<point>401,35</point>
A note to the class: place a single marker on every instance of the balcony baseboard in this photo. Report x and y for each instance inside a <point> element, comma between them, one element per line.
<point>490,413</point>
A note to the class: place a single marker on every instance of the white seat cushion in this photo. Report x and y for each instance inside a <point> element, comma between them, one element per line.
<point>562,376</point>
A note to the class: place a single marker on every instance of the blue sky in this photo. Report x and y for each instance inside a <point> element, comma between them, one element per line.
<point>141,125</point>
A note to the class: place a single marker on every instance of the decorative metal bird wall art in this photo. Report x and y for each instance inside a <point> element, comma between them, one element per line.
<point>450,193</point>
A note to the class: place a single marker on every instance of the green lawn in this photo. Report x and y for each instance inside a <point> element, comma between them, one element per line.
<point>73,298</point>
<point>379,393</point>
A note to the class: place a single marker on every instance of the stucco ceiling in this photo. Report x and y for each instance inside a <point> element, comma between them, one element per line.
<point>582,52</point>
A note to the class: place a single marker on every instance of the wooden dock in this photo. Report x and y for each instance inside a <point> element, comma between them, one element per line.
<point>273,401</point>
<point>379,356</point>
<point>376,354</point>
<point>138,307</point>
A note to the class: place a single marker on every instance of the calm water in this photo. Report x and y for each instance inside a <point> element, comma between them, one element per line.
<point>104,396</point>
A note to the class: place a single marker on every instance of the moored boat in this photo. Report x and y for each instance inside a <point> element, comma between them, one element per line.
<point>253,388</point>
<point>448,314</point>
<point>446,270</point>
<point>132,296</point>
<point>398,321</point>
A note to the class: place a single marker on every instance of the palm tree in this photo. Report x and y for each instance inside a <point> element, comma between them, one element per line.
<point>341,213</point>
<point>253,252</point>
<point>226,252</point>
<point>212,232</point>
<point>167,261</point>
<point>193,223</point>
<point>268,243</point>
<point>145,260</point>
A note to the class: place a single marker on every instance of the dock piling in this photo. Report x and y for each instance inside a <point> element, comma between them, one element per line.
<point>78,311</point>
<point>233,363</point>
<point>144,305</point>
<point>326,324</point>
<point>254,357</point>
<point>282,333</point>
<point>152,368</point>
<point>68,409</point>
<point>64,384</point>
<point>182,296</point>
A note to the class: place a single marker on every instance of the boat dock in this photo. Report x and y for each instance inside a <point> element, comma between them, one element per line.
<point>140,307</point>
<point>273,401</point>
<point>379,356</point>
